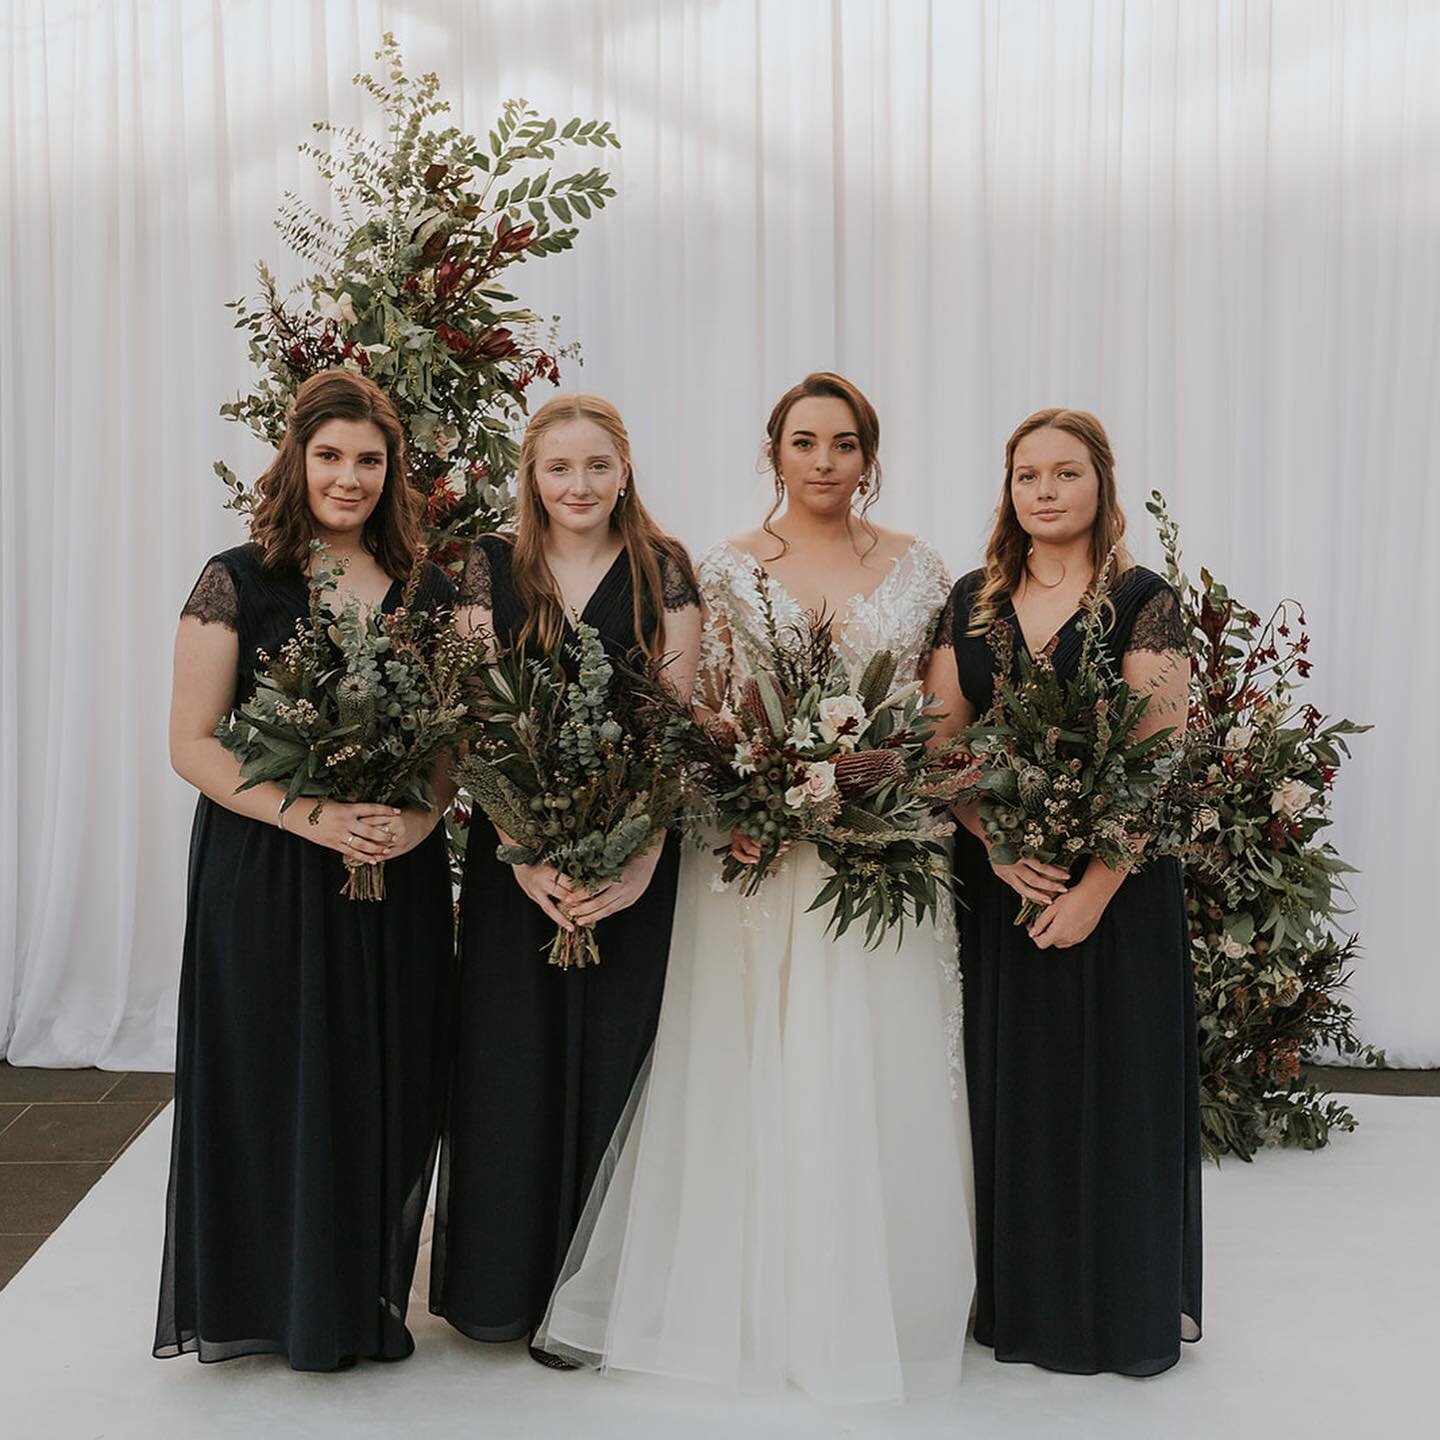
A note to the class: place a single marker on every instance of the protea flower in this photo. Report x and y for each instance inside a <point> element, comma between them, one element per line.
<point>1034,789</point>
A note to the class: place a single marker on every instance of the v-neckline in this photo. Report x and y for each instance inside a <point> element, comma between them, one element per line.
<point>1053,643</point>
<point>836,629</point>
<point>576,618</point>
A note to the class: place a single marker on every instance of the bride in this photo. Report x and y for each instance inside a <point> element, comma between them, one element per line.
<point>787,1197</point>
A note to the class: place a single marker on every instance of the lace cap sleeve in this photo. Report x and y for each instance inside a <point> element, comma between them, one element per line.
<point>1159,625</point>
<point>942,637</point>
<point>475,582</point>
<point>678,584</point>
<point>214,601</point>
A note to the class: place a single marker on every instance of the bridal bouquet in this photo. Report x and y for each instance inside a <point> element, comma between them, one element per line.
<point>357,706</point>
<point>809,751</point>
<point>583,774</point>
<point>1057,775</point>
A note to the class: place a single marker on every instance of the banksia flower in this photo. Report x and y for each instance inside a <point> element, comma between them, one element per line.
<point>355,697</point>
<point>862,771</point>
<point>752,703</point>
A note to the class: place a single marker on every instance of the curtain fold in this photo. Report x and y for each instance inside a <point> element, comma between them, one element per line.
<point>1214,225</point>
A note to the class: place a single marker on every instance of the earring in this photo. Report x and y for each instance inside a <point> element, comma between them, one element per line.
<point>621,495</point>
<point>865,487</point>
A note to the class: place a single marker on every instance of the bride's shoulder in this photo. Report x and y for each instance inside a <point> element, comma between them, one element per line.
<point>922,557</point>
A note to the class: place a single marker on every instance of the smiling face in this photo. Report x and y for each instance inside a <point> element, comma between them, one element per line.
<point>819,455</point>
<point>1054,487</point>
<point>345,464</point>
<point>578,475</point>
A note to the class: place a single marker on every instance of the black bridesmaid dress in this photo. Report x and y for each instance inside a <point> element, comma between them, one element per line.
<point>311,1063</point>
<point>545,1058</point>
<point>1081,1066</point>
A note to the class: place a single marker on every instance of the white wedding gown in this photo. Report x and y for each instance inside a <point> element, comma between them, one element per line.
<point>788,1195</point>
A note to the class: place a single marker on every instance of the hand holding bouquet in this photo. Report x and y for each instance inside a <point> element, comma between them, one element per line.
<point>357,706</point>
<point>785,763</point>
<point>580,773</point>
<point>1057,773</point>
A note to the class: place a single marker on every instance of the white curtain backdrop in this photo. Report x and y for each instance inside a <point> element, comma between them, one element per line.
<point>1215,224</point>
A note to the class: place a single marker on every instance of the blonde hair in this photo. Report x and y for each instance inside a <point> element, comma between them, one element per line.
<point>1009,545</point>
<point>646,545</point>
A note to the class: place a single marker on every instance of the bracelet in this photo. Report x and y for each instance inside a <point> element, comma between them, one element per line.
<point>280,815</point>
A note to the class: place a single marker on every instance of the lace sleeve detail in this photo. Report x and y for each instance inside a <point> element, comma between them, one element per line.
<point>679,590</point>
<point>942,637</point>
<point>1158,625</point>
<point>213,601</point>
<point>475,586</point>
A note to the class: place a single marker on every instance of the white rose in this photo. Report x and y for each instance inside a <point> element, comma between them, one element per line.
<point>338,308</point>
<point>1240,736</point>
<point>743,760</point>
<point>842,721</point>
<point>1234,949</point>
<point>1290,799</point>
<point>817,786</point>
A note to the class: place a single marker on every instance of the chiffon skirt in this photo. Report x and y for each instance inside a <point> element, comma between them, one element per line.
<point>787,1198</point>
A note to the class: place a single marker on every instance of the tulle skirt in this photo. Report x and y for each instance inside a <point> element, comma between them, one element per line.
<point>787,1198</point>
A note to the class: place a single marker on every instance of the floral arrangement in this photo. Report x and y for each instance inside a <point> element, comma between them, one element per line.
<point>408,286</point>
<point>1264,887</point>
<point>580,773</point>
<point>1058,774</point>
<point>809,751</point>
<point>359,705</point>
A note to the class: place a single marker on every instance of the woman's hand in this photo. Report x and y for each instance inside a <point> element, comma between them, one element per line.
<point>589,907</point>
<point>1069,918</point>
<point>744,849</point>
<point>1033,879</point>
<point>409,830</point>
<point>358,832</point>
<point>544,885</point>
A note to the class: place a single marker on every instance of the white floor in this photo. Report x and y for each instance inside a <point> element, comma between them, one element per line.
<point>1322,1276</point>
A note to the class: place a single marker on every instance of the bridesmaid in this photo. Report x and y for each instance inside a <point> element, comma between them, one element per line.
<point>1080,1044</point>
<point>310,1071</point>
<point>547,1057</point>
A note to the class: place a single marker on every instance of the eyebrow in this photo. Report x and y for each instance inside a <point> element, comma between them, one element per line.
<point>1057,462</point>
<point>839,434</point>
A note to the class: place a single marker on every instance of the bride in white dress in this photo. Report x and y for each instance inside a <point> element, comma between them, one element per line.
<point>788,1195</point>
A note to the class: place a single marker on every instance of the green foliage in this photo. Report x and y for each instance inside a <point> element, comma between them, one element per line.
<point>582,772</point>
<point>1059,775</point>
<point>358,705</point>
<point>408,285</point>
<point>1264,887</point>
<point>783,763</point>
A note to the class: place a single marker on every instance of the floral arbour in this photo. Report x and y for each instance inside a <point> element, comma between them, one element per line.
<point>1265,889</point>
<point>408,285</point>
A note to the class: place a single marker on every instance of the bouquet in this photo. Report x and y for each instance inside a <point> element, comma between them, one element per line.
<point>809,751</point>
<point>358,705</point>
<point>1057,773</point>
<point>583,774</point>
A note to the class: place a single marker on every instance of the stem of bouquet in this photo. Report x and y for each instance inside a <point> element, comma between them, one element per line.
<point>575,949</point>
<point>365,880</point>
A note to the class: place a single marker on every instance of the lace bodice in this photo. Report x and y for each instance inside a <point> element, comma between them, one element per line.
<point>899,614</point>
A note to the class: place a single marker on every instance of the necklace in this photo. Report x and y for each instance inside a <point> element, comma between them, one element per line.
<point>1031,575</point>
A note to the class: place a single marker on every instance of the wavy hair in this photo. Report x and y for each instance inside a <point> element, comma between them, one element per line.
<point>825,384</point>
<point>646,545</point>
<point>281,523</point>
<point>1009,545</point>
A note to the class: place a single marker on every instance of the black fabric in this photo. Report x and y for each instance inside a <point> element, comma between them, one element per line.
<point>1084,1097</point>
<point>546,1058</point>
<point>311,1064</point>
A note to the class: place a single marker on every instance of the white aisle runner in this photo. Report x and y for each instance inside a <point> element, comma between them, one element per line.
<point>1322,1277</point>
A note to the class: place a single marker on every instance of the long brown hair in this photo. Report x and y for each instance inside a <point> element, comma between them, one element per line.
<point>281,522</point>
<point>1009,546</point>
<point>646,545</point>
<point>826,384</point>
